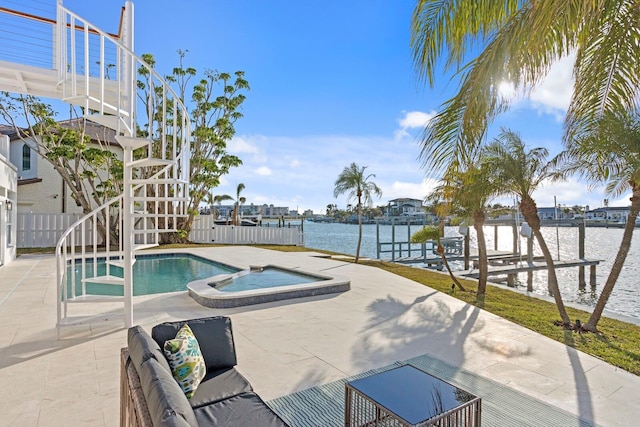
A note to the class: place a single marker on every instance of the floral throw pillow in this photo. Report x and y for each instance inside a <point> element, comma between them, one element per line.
<point>186,361</point>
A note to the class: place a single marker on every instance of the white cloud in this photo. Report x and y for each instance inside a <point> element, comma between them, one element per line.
<point>240,146</point>
<point>553,94</point>
<point>294,163</point>
<point>415,119</point>
<point>414,190</point>
<point>412,120</point>
<point>263,171</point>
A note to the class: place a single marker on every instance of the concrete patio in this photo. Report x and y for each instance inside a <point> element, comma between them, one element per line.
<point>287,346</point>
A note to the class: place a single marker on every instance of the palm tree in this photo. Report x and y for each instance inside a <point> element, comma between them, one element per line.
<point>610,153</point>
<point>353,181</point>
<point>520,40</point>
<point>469,192</point>
<point>436,233</point>
<point>218,199</point>
<point>521,172</point>
<point>240,200</point>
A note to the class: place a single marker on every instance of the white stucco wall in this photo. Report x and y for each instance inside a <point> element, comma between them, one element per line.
<point>8,203</point>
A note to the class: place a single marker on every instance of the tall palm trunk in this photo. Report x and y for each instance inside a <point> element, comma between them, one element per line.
<point>359,229</point>
<point>618,263</point>
<point>530,213</point>
<point>235,214</point>
<point>483,267</point>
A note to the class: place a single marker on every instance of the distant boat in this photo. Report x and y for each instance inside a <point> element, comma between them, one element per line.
<point>243,222</point>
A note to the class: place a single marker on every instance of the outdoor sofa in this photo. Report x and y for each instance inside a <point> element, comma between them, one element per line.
<point>150,396</point>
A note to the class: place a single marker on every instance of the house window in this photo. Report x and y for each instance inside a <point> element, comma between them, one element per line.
<point>26,158</point>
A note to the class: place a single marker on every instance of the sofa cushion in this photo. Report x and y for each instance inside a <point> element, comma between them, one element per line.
<point>214,335</point>
<point>219,385</point>
<point>167,404</point>
<point>185,359</point>
<point>142,347</point>
<point>245,409</point>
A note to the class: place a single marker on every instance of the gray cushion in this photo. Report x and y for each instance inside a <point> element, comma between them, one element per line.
<point>219,385</point>
<point>245,409</point>
<point>214,336</point>
<point>168,406</point>
<point>142,347</point>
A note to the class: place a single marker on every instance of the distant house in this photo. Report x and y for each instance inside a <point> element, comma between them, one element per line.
<point>40,187</point>
<point>8,202</point>
<point>405,206</point>
<point>553,213</point>
<point>617,214</point>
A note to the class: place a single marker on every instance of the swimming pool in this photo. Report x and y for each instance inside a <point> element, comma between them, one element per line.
<point>153,274</point>
<point>262,284</point>
<point>176,272</point>
<point>263,278</point>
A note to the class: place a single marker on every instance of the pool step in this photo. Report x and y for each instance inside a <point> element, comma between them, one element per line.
<point>95,298</point>
<point>119,263</point>
<point>145,246</point>
<point>107,280</point>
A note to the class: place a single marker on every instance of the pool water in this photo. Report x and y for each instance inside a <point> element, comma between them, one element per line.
<point>153,274</point>
<point>269,277</point>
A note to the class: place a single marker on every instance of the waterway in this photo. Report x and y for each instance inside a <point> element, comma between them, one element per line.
<point>600,243</point>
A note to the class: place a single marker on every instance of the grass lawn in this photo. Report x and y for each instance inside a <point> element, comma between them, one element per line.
<point>618,343</point>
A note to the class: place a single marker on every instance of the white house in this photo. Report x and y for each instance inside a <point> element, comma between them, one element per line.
<point>405,206</point>
<point>613,213</point>
<point>8,202</point>
<point>553,212</point>
<point>40,187</point>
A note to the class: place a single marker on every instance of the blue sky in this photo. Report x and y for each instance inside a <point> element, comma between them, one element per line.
<point>332,83</point>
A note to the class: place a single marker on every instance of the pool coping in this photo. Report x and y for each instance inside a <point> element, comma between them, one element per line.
<point>205,294</point>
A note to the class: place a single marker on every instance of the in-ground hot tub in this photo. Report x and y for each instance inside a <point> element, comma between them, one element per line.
<point>260,284</point>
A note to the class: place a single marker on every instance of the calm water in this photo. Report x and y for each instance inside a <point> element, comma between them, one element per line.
<point>600,243</point>
<point>267,278</point>
<point>155,274</point>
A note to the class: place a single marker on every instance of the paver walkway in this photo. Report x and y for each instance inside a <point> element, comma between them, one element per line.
<point>288,346</point>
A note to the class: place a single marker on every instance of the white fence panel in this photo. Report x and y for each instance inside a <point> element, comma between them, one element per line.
<point>42,230</point>
<point>204,231</point>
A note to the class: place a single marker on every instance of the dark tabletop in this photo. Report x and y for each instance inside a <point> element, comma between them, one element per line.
<point>411,394</point>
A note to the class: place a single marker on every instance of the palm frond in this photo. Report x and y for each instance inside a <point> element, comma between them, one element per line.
<point>456,27</point>
<point>606,63</point>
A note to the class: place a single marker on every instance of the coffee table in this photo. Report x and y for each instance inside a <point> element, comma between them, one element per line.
<point>408,396</point>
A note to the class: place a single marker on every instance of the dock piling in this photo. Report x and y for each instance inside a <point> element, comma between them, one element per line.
<point>530,262</point>
<point>581,235</point>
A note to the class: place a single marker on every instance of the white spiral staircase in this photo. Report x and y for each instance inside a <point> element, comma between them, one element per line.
<point>155,178</point>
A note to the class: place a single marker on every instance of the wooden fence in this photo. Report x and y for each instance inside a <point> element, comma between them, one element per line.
<point>44,230</point>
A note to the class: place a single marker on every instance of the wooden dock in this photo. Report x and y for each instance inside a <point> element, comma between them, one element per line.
<point>429,258</point>
<point>522,267</point>
<point>501,263</point>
